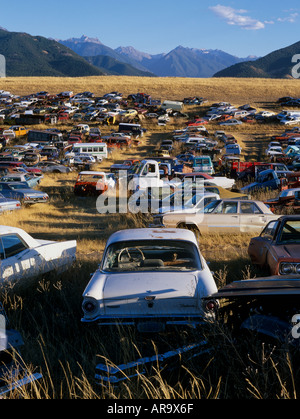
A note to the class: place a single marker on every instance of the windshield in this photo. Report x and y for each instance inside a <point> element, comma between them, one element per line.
<point>145,255</point>
<point>290,233</point>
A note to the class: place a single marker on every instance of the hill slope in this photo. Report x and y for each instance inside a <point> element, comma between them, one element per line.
<point>28,55</point>
<point>110,65</point>
<point>277,64</point>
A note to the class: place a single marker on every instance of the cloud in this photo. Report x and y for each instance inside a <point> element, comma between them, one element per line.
<point>291,18</point>
<point>237,17</point>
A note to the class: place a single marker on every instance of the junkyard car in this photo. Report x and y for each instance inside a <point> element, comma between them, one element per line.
<point>7,204</point>
<point>149,278</point>
<point>53,167</point>
<point>278,246</point>
<point>23,257</point>
<point>22,192</point>
<point>31,181</point>
<point>221,216</point>
<point>93,183</point>
<point>266,306</point>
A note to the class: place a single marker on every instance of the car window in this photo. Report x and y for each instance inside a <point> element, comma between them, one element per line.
<point>12,245</point>
<point>269,230</point>
<point>142,255</point>
<point>290,233</point>
<point>250,208</point>
<point>228,208</point>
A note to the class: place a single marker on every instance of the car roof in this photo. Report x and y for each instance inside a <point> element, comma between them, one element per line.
<point>152,234</point>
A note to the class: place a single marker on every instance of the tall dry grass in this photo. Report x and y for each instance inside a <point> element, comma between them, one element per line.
<point>47,311</point>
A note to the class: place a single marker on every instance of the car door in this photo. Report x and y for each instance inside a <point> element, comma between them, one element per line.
<point>18,260</point>
<point>252,219</point>
<point>225,218</point>
<point>259,247</point>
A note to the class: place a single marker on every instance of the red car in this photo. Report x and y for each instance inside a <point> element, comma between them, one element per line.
<point>277,248</point>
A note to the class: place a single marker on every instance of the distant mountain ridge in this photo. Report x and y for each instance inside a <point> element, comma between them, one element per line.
<point>180,62</point>
<point>28,55</point>
<point>277,64</point>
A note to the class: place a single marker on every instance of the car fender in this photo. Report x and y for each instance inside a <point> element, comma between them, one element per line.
<point>269,326</point>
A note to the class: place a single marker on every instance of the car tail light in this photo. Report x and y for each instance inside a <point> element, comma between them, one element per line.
<point>211,305</point>
<point>89,305</point>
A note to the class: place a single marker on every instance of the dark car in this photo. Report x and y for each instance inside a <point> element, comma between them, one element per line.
<point>22,192</point>
<point>277,248</point>
<point>267,308</point>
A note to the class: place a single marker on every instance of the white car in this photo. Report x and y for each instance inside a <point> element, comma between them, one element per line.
<point>24,257</point>
<point>231,122</point>
<point>149,278</point>
<point>224,216</point>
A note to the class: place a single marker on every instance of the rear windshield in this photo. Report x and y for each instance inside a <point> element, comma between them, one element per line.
<point>153,255</point>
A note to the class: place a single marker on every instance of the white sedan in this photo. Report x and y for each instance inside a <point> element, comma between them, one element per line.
<point>24,257</point>
<point>221,216</point>
<point>149,278</point>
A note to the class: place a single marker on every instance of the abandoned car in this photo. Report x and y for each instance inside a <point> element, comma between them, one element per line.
<point>93,183</point>
<point>277,248</point>
<point>24,257</point>
<point>221,216</point>
<point>149,278</point>
<point>266,307</point>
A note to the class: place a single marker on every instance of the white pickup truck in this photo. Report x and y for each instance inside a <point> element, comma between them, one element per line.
<point>146,175</point>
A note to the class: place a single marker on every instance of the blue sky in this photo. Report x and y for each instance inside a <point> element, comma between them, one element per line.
<point>238,27</point>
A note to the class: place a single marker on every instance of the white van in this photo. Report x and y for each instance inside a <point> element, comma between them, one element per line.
<point>97,150</point>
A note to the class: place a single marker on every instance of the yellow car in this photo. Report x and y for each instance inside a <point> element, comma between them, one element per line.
<point>19,130</point>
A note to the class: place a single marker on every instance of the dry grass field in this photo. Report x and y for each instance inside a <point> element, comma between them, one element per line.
<point>48,311</point>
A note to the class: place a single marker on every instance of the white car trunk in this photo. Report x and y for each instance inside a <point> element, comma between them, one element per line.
<point>143,294</point>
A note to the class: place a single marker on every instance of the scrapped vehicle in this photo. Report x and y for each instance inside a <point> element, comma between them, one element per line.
<point>277,248</point>
<point>13,375</point>
<point>288,198</point>
<point>7,204</point>
<point>24,257</point>
<point>53,167</point>
<point>22,192</point>
<point>31,180</point>
<point>266,307</point>
<point>93,183</point>
<point>222,181</point>
<point>221,216</point>
<point>149,278</point>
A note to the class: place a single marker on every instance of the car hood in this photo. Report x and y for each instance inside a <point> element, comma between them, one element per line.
<point>290,251</point>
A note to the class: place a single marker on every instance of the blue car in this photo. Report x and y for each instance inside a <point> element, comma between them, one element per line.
<point>7,204</point>
<point>22,192</point>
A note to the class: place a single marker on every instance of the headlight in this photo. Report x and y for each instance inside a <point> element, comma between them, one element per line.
<point>286,268</point>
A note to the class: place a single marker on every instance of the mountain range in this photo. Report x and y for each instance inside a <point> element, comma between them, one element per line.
<point>180,62</point>
<point>28,55</point>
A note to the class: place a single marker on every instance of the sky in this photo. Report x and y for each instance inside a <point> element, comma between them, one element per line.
<point>239,27</point>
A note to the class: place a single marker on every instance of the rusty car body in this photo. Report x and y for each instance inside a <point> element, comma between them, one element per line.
<point>277,248</point>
